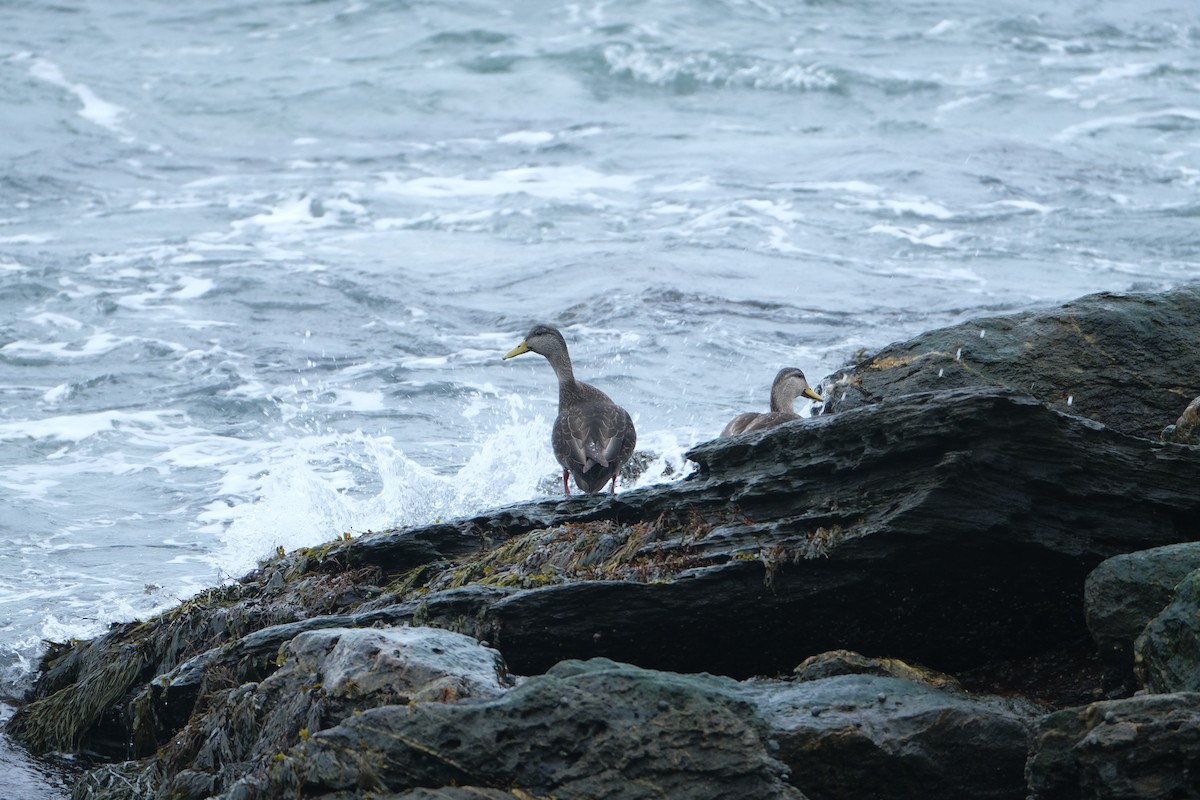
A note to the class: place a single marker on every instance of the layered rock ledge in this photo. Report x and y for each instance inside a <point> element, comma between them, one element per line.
<point>936,526</point>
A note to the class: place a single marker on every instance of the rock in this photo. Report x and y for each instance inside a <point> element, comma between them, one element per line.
<point>1070,675</point>
<point>85,690</point>
<point>951,528</point>
<point>879,737</point>
<point>1123,360</point>
<point>324,676</point>
<point>1124,593</point>
<point>1167,654</point>
<point>1137,748</point>
<point>604,729</point>
<point>1186,429</point>
<point>583,730</point>
<point>847,662</point>
<point>978,508</point>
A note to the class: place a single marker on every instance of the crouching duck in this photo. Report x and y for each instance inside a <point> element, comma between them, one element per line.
<point>789,384</point>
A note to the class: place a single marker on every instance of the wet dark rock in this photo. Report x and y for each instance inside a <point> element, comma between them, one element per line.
<point>1168,651</point>
<point>1128,361</point>
<point>324,676</point>
<point>84,694</point>
<point>980,509</point>
<point>1137,748</point>
<point>583,730</point>
<point>1124,593</point>
<point>880,737</point>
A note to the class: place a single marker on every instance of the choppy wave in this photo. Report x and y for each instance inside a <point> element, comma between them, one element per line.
<point>685,72</point>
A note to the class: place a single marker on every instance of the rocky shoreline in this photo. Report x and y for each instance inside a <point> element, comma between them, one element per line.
<point>985,551</point>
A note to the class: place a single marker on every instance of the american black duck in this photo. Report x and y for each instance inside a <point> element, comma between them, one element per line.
<point>592,436</point>
<point>789,384</point>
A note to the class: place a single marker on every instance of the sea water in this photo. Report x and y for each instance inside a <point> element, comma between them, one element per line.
<point>259,262</point>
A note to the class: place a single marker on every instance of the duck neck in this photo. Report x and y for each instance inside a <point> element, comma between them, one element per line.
<point>782,402</point>
<point>561,362</point>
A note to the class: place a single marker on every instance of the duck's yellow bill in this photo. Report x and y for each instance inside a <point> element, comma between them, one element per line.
<point>516,351</point>
<point>810,393</point>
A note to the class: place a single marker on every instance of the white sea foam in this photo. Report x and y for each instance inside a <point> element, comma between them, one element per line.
<point>769,208</point>
<point>303,213</point>
<point>96,344</point>
<point>962,102</point>
<point>852,186</point>
<point>545,182</point>
<point>661,67</point>
<point>921,234</point>
<point>945,26</point>
<point>101,112</point>
<point>159,204</point>
<point>30,486</point>
<point>1094,126</point>
<point>911,207</point>
<point>57,394</point>
<point>27,238</point>
<point>308,492</point>
<point>1025,205</point>
<point>702,184</point>
<point>718,221</point>
<point>963,276</point>
<point>161,296</point>
<point>465,221</point>
<point>56,320</point>
<point>1117,72</point>
<point>190,287</point>
<point>364,402</point>
<point>526,137</point>
<point>77,427</point>
<point>779,241</point>
<point>668,462</point>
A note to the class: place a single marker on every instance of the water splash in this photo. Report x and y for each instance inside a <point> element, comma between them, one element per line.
<point>321,486</point>
<point>328,485</point>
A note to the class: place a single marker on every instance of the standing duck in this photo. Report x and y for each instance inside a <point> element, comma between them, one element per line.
<point>592,436</point>
<point>789,384</point>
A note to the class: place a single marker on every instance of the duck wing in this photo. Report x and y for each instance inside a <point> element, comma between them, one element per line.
<point>739,423</point>
<point>751,421</point>
<point>593,440</point>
